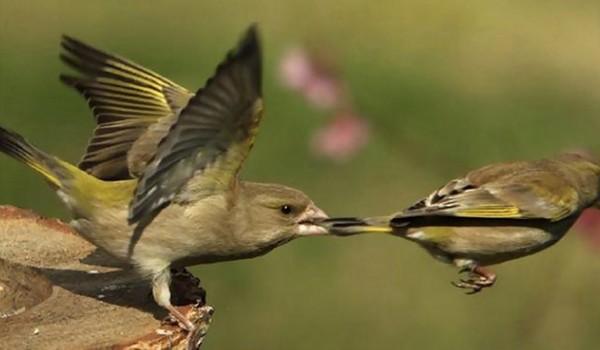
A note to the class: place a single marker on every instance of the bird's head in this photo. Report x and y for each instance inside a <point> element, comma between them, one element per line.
<point>278,213</point>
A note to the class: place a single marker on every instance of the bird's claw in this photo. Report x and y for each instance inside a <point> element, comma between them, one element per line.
<point>171,320</point>
<point>465,269</point>
<point>474,288</point>
<point>476,281</point>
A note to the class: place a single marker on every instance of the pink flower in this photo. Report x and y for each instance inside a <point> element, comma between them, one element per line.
<point>588,226</point>
<point>295,69</point>
<point>318,82</point>
<point>323,92</point>
<point>341,138</point>
<point>305,74</point>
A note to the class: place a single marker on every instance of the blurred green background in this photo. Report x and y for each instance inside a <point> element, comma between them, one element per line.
<point>447,86</point>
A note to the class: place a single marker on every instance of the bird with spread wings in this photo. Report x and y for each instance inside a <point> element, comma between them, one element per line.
<point>158,186</point>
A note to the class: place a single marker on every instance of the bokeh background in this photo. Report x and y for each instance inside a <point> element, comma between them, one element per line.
<point>446,86</point>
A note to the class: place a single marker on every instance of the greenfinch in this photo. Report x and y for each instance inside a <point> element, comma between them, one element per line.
<point>494,214</point>
<point>158,187</point>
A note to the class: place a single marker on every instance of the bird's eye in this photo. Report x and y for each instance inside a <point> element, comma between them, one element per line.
<point>286,209</point>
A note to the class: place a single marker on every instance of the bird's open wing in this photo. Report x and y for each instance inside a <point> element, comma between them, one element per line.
<point>206,147</point>
<point>530,193</point>
<point>126,100</point>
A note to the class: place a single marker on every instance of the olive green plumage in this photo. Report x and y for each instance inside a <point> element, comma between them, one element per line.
<point>493,214</point>
<point>158,186</point>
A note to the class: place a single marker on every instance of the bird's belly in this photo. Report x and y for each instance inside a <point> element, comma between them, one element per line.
<point>191,234</point>
<point>487,245</point>
<point>486,241</point>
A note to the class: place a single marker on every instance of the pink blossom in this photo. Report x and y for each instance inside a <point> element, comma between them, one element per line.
<point>341,138</point>
<point>295,69</point>
<point>317,81</point>
<point>323,92</point>
<point>305,74</point>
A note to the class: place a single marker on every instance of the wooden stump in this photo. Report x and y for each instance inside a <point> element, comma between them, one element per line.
<point>58,292</point>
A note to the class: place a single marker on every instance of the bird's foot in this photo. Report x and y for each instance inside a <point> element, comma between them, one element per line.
<point>177,318</point>
<point>193,322</point>
<point>477,279</point>
<point>185,291</point>
<point>180,293</point>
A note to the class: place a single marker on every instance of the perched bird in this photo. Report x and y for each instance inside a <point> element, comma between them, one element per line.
<point>494,214</point>
<point>159,186</point>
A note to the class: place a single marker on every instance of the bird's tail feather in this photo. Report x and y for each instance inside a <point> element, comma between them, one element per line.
<point>51,168</point>
<point>79,190</point>
<point>352,226</point>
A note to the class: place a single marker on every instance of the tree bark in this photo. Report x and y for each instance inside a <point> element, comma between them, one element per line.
<point>57,291</point>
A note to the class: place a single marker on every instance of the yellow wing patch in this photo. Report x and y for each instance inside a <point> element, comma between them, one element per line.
<point>490,212</point>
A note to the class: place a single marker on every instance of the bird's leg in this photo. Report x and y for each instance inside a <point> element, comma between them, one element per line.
<point>162,296</point>
<point>478,278</point>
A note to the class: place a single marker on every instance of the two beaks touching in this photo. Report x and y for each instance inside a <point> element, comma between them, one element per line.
<point>158,185</point>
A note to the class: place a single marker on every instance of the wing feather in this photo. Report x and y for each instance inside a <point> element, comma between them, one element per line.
<point>519,191</point>
<point>212,136</point>
<point>125,98</point>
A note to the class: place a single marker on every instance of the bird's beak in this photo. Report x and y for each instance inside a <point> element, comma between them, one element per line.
<point>308,222</point>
